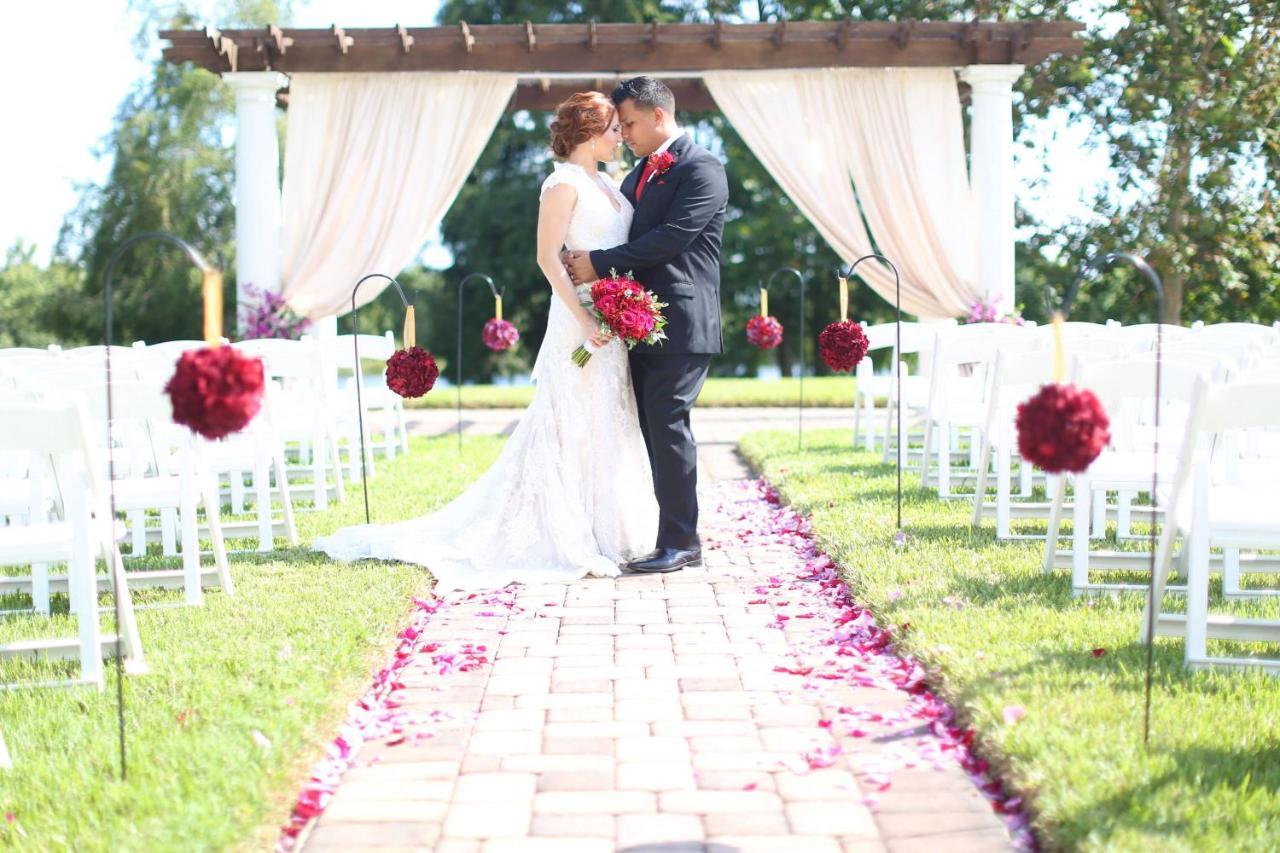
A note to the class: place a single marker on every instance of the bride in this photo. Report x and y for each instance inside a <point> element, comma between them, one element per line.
<point>571,493</point>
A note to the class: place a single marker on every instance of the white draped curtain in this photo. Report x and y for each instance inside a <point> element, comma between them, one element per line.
<point>894,137</point>
<point>372,163</point>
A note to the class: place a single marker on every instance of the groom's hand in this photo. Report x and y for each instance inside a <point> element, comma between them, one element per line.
<point>579,266</point>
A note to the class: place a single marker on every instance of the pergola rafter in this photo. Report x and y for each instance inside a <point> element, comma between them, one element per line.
<point>607,52</point>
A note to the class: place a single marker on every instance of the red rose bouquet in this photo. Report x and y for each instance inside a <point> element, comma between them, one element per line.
<point>1062,428</point>
<point>499,335</point>
<point>216,391</point>
<point>842,345</point>
<point>764,331</point>
<point>624,308</point>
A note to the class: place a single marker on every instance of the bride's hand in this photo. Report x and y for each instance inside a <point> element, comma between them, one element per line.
<point>591,329</point>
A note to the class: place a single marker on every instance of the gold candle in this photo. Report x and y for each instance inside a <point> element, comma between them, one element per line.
<point>211,294</point>
<point>497,307</point>
<point>410,333</point>
<point>844,299</point>
<point>764,302</point>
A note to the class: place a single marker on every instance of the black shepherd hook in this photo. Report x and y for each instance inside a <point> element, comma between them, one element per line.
<point>800,345</point>
<point>493,288</point>
<point>359,376</point>
<point>897,353</point>
<point>1100,264</point>
<point>207,269</point>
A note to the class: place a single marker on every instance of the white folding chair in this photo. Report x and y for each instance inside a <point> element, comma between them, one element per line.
<point>958,381</point>
<point>870,387</point>
<point>56,439</point>
<point>1126,391</point>
<point>1220,497</point>
<point>304,412</point>
<point>1015,376</point>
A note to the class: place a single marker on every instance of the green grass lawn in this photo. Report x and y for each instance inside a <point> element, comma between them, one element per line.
<point>995,632</point>
<point>819,391</point>
<point>284,657</point>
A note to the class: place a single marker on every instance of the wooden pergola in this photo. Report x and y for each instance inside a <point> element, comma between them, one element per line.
<point>556,60</point>
<point>551,61</point>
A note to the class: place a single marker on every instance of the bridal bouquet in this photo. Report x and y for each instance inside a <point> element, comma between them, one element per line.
<point>624,308</point>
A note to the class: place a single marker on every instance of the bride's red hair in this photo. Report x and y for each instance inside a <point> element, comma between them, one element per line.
<point>583,116</point>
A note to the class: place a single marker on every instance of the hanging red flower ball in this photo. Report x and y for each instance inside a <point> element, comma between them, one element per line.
<point>842,345</point>
<point>764,332</point>
<point>499,335</point>
<point>1062,428</point>
<point>412,372</point>
<point>215,391</point>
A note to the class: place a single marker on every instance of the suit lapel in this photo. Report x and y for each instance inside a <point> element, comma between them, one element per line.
<point>678,148</point>
<point>633,181</point>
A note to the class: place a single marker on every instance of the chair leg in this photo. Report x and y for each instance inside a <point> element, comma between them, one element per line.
<point>1124,515</point>
<point>190,533</point>
<point>1024,478</point>
<point>1080,535</point>
<point>980,490</point>
<point>1231,573</point>
<point>924,456</point>
<point>82,586</point>
<point>1099,521</point>
<point>1197,543</point>
<point>262,490</point>
<point>168,531</point>
<point>138,532</point>
<point>404,432</point>
<point>319,486</point>
<point>213,515</point>
<point>1003,509</point>
<point>134,662</point>
<point>40,588</point>
<point>944,459</point>
<point>888,429</point>
<point>237,492</point>
<point>286,499</point>
<point>1057,495</point>
<point>338,484</point>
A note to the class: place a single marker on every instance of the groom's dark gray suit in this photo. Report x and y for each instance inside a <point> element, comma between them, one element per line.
<point>674,250</point>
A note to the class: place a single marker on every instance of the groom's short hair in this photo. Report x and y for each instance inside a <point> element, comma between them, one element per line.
<point>646,92</point>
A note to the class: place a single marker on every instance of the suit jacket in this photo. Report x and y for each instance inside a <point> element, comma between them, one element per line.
<point>674,247</point>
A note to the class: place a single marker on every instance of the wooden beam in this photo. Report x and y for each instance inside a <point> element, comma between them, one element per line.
<point>632,48</point>
<point>545,95</point>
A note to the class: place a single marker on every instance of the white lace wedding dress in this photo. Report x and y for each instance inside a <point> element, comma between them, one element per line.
<point>571,493</point>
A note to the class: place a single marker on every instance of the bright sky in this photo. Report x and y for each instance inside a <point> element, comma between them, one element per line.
<point>60,115</point>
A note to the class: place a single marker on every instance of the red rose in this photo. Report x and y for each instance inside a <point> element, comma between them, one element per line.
<point>1062,428</point>
<point>412,372</point>
<point>659,164</point>
<point>634,324</point>
<point>764,332</point>
<point>842,345</point>
<point>215,391</point>
<point>499,335</point>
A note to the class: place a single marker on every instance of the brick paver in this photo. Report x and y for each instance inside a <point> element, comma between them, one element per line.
<point>643,713</point>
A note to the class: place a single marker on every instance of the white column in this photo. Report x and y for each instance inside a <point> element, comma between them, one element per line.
<point>257,179</point>
<point>991,175</point>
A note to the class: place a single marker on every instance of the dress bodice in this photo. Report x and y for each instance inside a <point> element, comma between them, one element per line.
<point>595,223</point>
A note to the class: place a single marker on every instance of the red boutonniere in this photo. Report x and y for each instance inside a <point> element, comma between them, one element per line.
<point>661,163</point>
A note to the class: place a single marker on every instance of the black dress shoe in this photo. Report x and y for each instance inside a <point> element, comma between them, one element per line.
<point>665,560</point>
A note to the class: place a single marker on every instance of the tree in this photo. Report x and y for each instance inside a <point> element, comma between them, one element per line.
<point>171,171</point>
<point>29,295</point>
<point>1186,99</point>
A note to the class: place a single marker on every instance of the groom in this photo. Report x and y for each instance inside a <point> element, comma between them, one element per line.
<point>679,193</point>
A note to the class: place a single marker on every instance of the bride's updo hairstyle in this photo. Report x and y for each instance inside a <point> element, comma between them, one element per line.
<point>583,116</point>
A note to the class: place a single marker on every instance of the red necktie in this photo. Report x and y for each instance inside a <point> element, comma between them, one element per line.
<point>644,178</point>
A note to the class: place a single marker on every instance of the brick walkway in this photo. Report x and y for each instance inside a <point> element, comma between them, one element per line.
<point>650,713</point>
